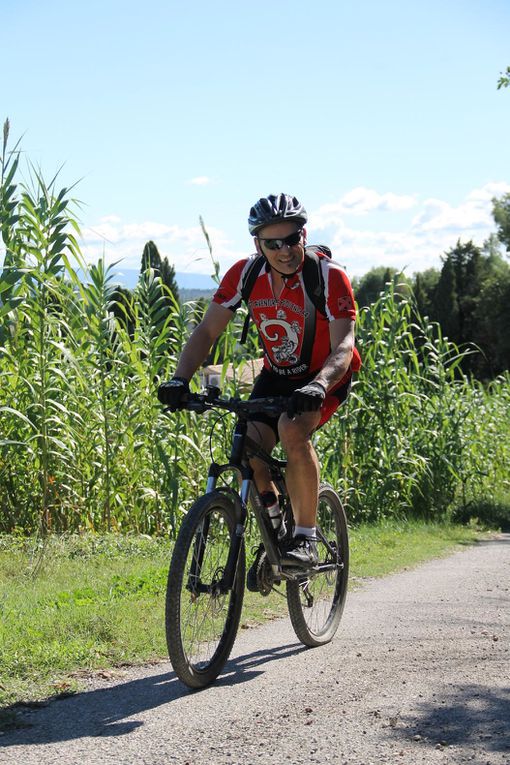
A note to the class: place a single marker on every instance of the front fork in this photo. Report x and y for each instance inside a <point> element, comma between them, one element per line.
<point>226,583</point>
<point>236,539</point>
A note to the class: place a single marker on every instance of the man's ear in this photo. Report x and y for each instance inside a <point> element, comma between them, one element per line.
<point>257,246</point>
<point>304,236</point>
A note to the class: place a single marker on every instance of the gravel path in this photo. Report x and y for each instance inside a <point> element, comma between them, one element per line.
<point>418,673</point>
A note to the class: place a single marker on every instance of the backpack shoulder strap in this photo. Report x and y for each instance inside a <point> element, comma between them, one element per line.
<point>250,277</point>
<point>248,281</point>
<point>312,275</point>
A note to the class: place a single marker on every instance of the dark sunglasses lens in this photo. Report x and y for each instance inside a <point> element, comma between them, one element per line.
<point>293,239</point>
<point>273,244</point>
<point>277,244</point>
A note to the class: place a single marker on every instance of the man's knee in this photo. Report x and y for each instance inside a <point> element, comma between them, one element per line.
<point>296,434</point>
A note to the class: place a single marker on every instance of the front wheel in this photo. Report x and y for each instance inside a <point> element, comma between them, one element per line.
<point>316,601</point>
<point>201,618</point>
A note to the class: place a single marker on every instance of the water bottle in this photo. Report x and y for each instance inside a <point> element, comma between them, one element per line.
<point>270,502</point>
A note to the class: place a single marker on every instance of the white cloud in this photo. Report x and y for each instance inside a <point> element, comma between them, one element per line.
<point>360,201</point>
<point>419,243</point>
<point>185,248</point>
<point>200,180</point>
<point>397,230</point>
<point>489,191</point>
<point>441,216</point>
<point>473,215</point>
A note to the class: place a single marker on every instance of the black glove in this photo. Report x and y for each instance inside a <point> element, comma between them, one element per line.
<point>309,398</point>
<point>174,393</point>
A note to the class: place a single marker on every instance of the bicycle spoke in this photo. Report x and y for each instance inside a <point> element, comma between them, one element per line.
<point>202,619</point>
<point>316,603</point>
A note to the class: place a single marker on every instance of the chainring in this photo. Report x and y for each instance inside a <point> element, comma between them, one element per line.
<point>265,576</point>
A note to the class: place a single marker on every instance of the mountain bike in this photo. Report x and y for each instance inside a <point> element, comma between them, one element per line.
<point>206,578</point>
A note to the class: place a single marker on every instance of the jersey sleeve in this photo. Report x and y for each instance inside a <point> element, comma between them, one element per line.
<point>339,296</point>
<point>228,293</point>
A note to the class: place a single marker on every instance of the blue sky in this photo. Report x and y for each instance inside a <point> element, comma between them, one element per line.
<point>382,117</point>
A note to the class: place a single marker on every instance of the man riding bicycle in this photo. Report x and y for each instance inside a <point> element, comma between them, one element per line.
<point>310,361</point>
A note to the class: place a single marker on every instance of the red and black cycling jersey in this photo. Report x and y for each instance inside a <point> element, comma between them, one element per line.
<point>281,321</point>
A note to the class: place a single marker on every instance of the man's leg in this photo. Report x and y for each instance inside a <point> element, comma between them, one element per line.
<point>303,469</point>
<point>265,436</point>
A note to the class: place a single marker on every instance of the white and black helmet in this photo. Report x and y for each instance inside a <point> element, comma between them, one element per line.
<point>275,208</point>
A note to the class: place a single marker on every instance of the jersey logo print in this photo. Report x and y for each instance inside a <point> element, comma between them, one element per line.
<point>287,334</point>
<point>345,303</point>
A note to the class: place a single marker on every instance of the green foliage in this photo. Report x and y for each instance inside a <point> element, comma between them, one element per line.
<point>84,443</point>
<point>372,284</point>
<point>405,442</point>
<point>501,213</point>
<point>504,80</point>
<point>469,300</point>
<point>151,259</point>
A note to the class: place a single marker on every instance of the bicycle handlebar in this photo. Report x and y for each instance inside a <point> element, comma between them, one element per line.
<point>203,402</point>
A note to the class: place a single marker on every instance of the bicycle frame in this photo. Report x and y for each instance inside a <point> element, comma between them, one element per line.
<point>244,447</point>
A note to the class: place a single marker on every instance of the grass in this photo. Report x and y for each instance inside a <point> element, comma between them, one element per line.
<point>75,605</point>
<point>392,546</point>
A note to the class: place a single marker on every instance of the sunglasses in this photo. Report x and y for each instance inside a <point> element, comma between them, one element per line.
<point>277,244</point>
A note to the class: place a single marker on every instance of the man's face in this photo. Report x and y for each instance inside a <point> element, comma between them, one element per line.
<point>289,257</point>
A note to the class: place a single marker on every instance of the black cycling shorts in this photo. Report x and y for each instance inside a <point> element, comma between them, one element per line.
<point>270,384</point>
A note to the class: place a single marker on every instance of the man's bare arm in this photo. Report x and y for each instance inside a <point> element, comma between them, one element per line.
<point>341,332</point>
<point>201,340</point>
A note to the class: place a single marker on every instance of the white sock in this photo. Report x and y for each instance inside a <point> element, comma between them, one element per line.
<point>305,531</point>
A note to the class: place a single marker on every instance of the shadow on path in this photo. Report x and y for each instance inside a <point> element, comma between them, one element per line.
<point>502,538</point>
<point>106,711</point>
<point>470,715</point>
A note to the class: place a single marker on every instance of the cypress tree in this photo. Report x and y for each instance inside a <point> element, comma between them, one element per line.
<point>162,268</point>
<point>168,277</point>
<point>151,258</point>
<point>446,302</point>
<point>420,296</point>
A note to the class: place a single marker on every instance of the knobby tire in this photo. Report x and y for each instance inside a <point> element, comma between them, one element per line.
<point>316,621</point>
<point>201,624</point>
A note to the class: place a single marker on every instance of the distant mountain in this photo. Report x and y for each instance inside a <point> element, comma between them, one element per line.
<point>128,278</point>
<point>191,293</point>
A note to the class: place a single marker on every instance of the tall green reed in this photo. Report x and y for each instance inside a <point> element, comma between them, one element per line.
<point>400,445</point>
<point>35,342</point>
<point>85,444</point>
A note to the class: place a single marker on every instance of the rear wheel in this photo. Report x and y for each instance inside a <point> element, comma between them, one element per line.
<point>316,602</point>
<point>201,619</point>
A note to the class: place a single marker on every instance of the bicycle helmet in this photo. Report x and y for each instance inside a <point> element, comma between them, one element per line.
<point>274,209</point>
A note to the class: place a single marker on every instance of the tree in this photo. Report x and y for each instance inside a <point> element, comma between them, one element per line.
<point>167,274</point>
<point>152,259</point>
<point>501,215</point>
<point>469,304</point>
<point>446,302</point>
<point>424,287</point>
<point>122,308</point>
<point>369,287</point>
<point>493,321</point>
